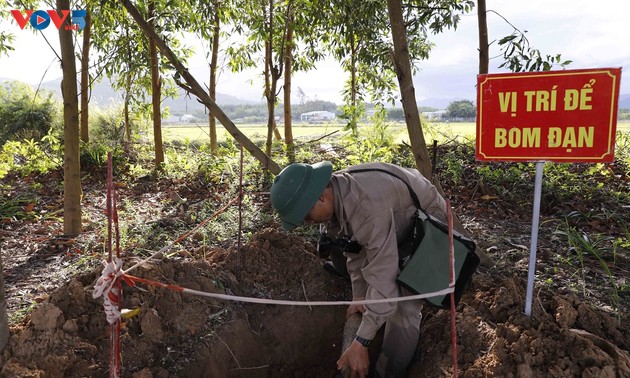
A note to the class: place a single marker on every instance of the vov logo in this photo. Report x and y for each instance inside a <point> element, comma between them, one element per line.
<point>40,19</point>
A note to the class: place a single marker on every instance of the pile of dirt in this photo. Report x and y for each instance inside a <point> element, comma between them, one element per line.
<point>181,335</point>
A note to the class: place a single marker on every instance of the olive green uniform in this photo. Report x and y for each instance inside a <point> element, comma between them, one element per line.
<point>376,210</point>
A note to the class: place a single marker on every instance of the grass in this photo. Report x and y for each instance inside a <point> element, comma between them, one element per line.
<point>438,131</point>
<point>200,133</point>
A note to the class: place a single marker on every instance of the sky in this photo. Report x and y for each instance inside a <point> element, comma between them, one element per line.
<point>593,34</point>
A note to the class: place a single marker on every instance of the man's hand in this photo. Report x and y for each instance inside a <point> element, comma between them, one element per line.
<point>356,359</point>
<point>355,308</point>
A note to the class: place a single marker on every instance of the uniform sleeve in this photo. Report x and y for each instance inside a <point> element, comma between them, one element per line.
<point>354,262</point>
<point>375,269</point>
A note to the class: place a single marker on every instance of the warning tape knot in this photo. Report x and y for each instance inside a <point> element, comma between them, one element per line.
<point>109,287</point>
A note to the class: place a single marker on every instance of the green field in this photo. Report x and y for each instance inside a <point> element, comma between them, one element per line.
<point>304,132</point>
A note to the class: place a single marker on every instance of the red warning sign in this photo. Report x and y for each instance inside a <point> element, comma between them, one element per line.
<point>560,116</point>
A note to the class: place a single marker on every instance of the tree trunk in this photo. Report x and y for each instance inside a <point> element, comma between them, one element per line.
<point>212,91</point>
<point>4,319</point>
<point>127,96</point>
<point>271,84</point>
<point>156,87</point>
<point>71,166</point>
<point>269,93</point>
<point>288,61</point>
<point>402,62</point>
<point>126,108</point>
<point>354,122</point>
<point>85,79</point>
<point>484,56</point>
<point>195,88</point>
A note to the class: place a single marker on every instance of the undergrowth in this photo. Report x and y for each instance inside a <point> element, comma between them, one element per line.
<point>590,201</point>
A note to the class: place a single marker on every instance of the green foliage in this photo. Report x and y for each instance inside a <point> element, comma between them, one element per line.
<point>396,114</point>
<point>25,114</point>
<point>313,105</point>
<point>107,126</point>
<point>16,208</point>
<point>93,157</point>
<point>6,38</point>
<point>622,154</point>
<point>29,157</point>
<point>519,56</point>
<point>584,246</point>
<point>461,110</point>
<point>374,141</point>
<point>120,50</point>
<point>358,35</point>
<point>563,184</point>
<point>352,113</point>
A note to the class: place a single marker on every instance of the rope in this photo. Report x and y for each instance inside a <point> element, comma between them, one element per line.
<point>132,280</point>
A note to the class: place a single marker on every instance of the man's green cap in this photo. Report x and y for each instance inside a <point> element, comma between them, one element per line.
<point>296,190</point>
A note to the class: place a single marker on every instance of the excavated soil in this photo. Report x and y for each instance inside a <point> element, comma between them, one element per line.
<point>182,335</point>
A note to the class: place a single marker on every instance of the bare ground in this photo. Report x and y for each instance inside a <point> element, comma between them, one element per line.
<point>59,330</point>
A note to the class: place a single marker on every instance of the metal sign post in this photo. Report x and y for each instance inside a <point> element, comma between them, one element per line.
<point>532,249</point>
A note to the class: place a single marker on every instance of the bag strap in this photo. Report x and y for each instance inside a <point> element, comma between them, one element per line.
<point>412,193</point>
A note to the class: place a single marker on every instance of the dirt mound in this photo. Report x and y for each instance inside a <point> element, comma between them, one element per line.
<point>562,338</point>
<point>183,335</point>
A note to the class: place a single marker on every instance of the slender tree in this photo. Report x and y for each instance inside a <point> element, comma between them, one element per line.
<point>482,21</point>
<point>85,78</point>
<point>212,91</point>
<point>348,32</point>
<point>402,63</point>
<point>273,70</point>
<point>267,27</point>
<point>71,168</point>
<point>302,51</point>
<point>358,34</point>
<point>156,91</point>
<point>288,65</point>
<point>122,52</point>
<point>205,19</point>
<point>263,24</point>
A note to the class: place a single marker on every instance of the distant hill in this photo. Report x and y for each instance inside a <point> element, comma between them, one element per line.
<point>624,101</point>
<point>442,103</point>
<point>103,95</point>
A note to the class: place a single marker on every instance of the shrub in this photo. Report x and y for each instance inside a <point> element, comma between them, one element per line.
<point>24,113</point>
